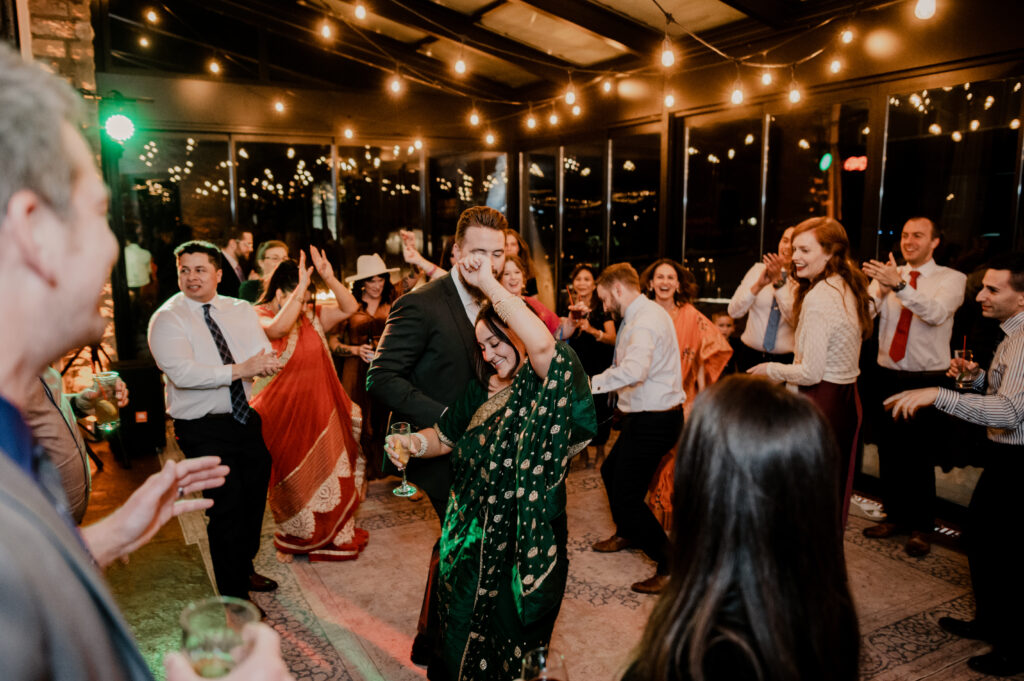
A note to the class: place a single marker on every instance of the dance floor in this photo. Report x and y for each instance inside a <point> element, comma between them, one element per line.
<point>355,620</point>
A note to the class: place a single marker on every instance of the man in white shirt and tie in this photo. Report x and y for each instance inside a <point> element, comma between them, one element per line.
<point>647,375</point>
<point>765,296</point>
<point>210,347</point>
<point>915,304</point>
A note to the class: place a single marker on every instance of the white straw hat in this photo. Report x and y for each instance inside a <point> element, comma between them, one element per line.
<point>370,266</point>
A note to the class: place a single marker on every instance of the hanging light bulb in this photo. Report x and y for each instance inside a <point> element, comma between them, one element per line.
<point>360,11</point>
<point>737,94</point>
<point>606,86</point>
<point>460,66</point>
<point>474,118</point>
<point>794,93</point>
<point>846,36</point>
<point>395,84</point>
<point>278,106</point>
<point>325,30</point>
<point>349,133</point>
<point>1014,124</point>
<point>152,17</point>
<point>925,9</point>
<point>213,66</point>
<point>531,121</point>
<point>766,77</point>
<point>418,143</point>
<point>570,95</point>
<point>835,66</point>
<point>553,118</point>
<point>670,100</point>
<point>576,110</point>
<point>143,41</point>
<point>668,55</point>
<point>489,139</point>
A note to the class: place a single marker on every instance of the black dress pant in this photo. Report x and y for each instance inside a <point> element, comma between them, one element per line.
<point>746,357</point>
<point>906,452</point>
<point>994,519</point>
<point>236,517</point>
<point>644,439</point>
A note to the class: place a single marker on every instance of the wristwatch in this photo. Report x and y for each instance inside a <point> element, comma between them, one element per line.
<point>900,286</point>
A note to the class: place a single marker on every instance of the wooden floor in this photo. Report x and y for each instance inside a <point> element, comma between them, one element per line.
<point>355,620</point>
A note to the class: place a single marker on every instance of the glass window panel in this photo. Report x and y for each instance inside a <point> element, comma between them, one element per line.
<point>540,225</point>
<point>461,181</point>
<point>950,155</point>
<point>723,234</point>
<point>583,240</point>
<point>816,163</point>
<point>636,167</point>
<point>378,194</point>
<point>173,187</point>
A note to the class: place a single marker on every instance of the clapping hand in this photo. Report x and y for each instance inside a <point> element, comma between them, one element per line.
<point>320,262</point>
<point>885,273</point>
<point>773,263</point>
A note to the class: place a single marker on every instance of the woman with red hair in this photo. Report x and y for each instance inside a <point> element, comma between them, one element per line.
<point>833,312</point>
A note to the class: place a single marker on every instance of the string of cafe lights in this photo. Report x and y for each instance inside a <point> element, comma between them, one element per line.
<point>602,80</point>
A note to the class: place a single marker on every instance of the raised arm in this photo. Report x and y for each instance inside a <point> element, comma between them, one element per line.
<point>347,303</point>
<point>281,324</point>
<point>414,257</point>
<point>744,296</point>
<point>540,344</point>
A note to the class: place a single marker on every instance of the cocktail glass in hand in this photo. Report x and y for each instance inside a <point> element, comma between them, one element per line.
<point>211,634</point>
<point>544,664</point>
<point>398,445</point>
<point>969,371</point>
<point>108,417</point>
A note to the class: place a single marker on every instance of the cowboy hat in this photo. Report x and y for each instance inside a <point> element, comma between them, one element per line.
<point>370,266</point>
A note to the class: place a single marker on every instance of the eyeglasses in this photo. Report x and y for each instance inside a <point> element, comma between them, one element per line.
<point>274,258</point>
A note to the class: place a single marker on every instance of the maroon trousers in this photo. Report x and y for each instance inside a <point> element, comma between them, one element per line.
<point>840,405</point>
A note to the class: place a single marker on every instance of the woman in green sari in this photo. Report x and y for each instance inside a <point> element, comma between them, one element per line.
<point>503,541</point>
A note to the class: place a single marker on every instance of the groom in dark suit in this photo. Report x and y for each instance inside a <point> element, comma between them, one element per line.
<point>425,359</point>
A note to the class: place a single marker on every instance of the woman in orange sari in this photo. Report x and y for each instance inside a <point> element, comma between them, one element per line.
<point>703,354</point>
<point>310,425</point>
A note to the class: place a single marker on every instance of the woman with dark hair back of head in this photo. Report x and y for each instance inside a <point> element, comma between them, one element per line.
<point>833,315</point>
<point>703,354</point>
<point>758,587</point>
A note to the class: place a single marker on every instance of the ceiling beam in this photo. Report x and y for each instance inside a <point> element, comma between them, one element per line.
<point>442,22</point>
<point>774,13</point>
<point>298,23</point>
<point>638,38</point>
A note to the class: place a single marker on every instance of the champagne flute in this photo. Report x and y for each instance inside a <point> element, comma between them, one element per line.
<point>398,445</point>
<point>544,664</point>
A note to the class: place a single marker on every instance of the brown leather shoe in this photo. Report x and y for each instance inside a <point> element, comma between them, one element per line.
<point>612,544</point>
<point>881,530</point>
<point>917,545</point>
<point>651,585</point>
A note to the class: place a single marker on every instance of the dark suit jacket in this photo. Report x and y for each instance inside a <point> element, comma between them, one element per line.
<point>57,619</point>
<point>425,360</point>
<point>229,282</point>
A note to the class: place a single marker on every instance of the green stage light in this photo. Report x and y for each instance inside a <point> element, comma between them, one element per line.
<point>119,127</point>
<point>825,163</point>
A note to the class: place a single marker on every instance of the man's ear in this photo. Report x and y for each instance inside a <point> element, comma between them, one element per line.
<point>20,223</point>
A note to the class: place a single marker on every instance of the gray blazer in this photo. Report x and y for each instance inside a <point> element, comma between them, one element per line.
<point>57,618</point>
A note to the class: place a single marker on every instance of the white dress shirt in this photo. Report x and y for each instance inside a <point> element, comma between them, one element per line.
<point>939,293</point>
<point>646,371</point>
<point>828,338</point>
<point>471,304</point>
<point>197,379</point>
<point>759,307</point>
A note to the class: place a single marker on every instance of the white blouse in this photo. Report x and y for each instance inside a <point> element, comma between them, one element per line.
<point>828,338</point>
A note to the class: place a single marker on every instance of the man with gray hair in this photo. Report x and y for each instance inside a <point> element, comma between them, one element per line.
<point>57,618</point>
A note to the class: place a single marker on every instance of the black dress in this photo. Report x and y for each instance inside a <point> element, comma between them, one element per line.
<point>595,357</point>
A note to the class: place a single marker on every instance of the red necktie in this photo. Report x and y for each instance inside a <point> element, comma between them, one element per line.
<point>898,349</point>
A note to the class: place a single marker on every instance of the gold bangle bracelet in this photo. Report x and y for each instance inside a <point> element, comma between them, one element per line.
<point>506,306</point>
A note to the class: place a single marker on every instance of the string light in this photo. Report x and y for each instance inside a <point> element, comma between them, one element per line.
<point>935,129</point>
<point>325,30</point>
<point>794,93</point>
<point>957,136</point>
<point>835,66</point>
<point>975,124</point>
<point>213,66</point>
<point>576,110</point>
<point>489,139</point>
<point>846,36</point>
<point>668,55</point>
<point>460,66</point>
<point>737,94</point>
<point>349,133</point>
<point>278,106</point>
<point>144,41</point>
<point>925,9</point>
<point>570,95</point>
<point>531,121</point>
<point>606,86</point>
<point>553,118</point>
<point>474,118</point>
<point>360,11</point>
<point>418,143</point>
<point>766,77</point>
<point>1014,124</point>
<point>152,17</point>
<point>670,100</point>
<point>395,84</point>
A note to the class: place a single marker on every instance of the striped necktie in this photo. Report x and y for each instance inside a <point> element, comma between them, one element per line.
<point>240,408</point>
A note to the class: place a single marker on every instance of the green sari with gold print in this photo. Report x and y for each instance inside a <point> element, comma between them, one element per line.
<point>503,541</point>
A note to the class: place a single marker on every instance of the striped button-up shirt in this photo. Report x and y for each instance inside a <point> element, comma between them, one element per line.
<point>1001,408</point>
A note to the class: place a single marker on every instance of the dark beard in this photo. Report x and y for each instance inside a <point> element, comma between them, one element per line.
<point>474,292</point>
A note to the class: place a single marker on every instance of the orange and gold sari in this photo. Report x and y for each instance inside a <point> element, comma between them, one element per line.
<point>311,428</point>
